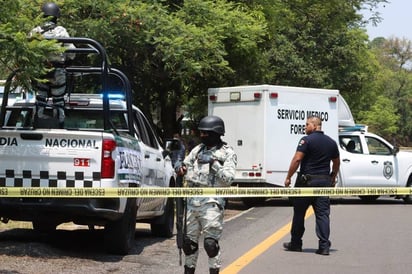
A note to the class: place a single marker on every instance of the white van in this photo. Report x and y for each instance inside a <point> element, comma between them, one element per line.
<point>264,124</point>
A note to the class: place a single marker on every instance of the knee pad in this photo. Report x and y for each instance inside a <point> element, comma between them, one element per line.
<point>211,247</point>
<point>189,247</point>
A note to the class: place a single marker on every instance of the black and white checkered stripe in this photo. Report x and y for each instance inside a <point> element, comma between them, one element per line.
<point>46,180</point>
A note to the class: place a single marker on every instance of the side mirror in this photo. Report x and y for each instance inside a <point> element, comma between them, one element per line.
<point>171,145</point>
<point>395,150</point>
<point>165,153</point>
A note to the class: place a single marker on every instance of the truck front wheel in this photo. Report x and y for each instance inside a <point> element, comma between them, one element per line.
<point>408,198</point>
<point>163,225</point>
<point>119,235</point>
<point>44,226</point>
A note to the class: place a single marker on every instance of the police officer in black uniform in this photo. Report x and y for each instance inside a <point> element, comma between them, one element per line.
<point>313,154</point>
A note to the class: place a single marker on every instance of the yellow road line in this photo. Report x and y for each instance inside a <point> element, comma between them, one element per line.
<point>252,254</point>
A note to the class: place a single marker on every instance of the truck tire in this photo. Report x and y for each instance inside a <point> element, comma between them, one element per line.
<point>163,225</point>
<point>44,226</point>
<point>119,235</point>
<point>408,198</point>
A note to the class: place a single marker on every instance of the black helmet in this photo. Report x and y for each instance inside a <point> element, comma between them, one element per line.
<point>51,9</point>
<point>212,123</point>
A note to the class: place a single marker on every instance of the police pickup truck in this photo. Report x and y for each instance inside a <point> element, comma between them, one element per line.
<point>368,160</point>
<point>104,141</point>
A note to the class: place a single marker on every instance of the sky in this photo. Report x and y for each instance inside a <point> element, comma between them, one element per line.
<point>397,20</point>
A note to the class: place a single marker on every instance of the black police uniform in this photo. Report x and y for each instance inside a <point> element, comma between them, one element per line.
<point>319,150</point>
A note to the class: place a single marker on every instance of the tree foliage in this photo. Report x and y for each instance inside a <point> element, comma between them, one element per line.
<point>172,54</point>
<point>395,82</point>
<point>173,50</point>
<point>17,50</point>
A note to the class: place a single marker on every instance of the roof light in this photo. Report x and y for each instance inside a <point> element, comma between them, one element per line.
<point>235,96</point>
<point>333,99</point>
<point>213,98</point>
<point>273,95</point>
<point>114,95</point>
<point>257,95</point>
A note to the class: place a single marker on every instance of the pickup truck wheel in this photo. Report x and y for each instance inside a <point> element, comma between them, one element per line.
<point>119,235</point>
<point>408,198</point>
<point>163,225</point>
<point>44,226</point>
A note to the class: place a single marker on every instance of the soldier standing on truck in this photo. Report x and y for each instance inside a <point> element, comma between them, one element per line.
<point>210,164</point>
<point>55,84</point>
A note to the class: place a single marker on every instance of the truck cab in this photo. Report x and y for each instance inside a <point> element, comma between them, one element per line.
<point>368,160</point>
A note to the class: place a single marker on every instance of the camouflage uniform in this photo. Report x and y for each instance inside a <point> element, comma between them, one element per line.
<point>205,214</point>
<point>56,78</point>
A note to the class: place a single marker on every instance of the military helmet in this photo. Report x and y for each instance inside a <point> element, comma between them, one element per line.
<point>51,9</point>
<point>212,123</point>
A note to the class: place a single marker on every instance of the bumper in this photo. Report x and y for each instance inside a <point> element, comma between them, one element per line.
<point>78,210</point>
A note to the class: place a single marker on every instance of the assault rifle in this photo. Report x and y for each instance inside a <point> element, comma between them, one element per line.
<point>180,219</point>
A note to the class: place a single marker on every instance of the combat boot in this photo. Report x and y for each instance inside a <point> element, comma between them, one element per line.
<point>214,270</point>
<point>189,270</point>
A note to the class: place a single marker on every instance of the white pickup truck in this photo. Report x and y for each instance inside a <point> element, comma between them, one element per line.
<point>105,142</point>
<point>368,160</point>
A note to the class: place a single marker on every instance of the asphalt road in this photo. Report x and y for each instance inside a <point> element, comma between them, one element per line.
<point>366,238</point>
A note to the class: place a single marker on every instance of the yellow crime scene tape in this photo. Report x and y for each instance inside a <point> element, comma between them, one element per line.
<point>228,192</point>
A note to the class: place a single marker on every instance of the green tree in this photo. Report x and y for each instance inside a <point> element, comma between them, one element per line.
<point>382,117</point>
<point>395,81</point>
<point>173,50</point>
<point>17,50</point>
<point>173,55</point>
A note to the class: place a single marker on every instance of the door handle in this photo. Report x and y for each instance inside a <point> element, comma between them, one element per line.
<point>375,162</point>
<point>346,160</point>
<point>31,136</point>
<point>147,156</point>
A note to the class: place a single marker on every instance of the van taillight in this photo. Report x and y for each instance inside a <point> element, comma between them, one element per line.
<point>273,95</point>
<point>257,95</point>
<point>213,98</point>
<point>108,164</point>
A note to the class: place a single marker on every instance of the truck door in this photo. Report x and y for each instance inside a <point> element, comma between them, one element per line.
<point>366,162</point>
<point>152,161</point>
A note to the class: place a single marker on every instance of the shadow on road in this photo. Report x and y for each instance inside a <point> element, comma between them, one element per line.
<point>78,243</point>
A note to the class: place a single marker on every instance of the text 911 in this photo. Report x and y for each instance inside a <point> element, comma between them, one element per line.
<point>81,162</point>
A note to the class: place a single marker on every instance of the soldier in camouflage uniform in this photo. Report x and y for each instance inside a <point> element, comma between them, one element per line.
<point>55,86</point>
<point>210,164</point>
